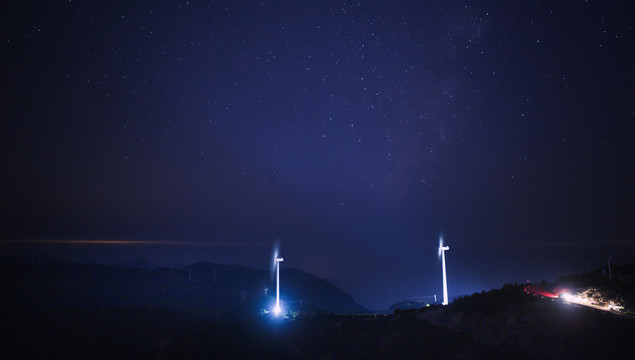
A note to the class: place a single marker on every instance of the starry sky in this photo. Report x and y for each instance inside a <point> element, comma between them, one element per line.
<point>356,133</point>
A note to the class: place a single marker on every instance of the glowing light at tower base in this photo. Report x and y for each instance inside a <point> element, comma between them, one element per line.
<point>277,309</point>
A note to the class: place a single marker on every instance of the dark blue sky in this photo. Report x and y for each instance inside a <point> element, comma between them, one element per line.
<point>355,132</point>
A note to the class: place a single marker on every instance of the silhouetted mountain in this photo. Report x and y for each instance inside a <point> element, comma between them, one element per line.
<point>408,304</point>
<point>97,311</point>
<point>19,259</point>
<point>140,263</point>
<point>201,288</point>
<point>540,328</point>
<point>311,290</point>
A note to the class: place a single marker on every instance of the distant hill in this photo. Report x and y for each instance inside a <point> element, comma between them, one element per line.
<point>204,288</point>
<point>61,310</point>
<point>140,263</point>
<point>408,304</point>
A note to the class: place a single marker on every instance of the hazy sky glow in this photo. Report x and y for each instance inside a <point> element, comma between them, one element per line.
<point>357,133</point>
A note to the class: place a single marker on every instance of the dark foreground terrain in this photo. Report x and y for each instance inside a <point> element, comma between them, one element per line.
<point>500,324</point>
<point>520,327</point>
<point>531,329</point>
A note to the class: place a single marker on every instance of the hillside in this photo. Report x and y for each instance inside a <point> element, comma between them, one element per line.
<point>505,323</point>
<point>202,288</point>
<point>500,324</point>
<point>600,287</point>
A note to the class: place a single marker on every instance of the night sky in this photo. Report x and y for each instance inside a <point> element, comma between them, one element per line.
<point>357,133</point>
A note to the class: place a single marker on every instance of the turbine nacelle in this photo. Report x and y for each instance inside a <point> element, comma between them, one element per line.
<point>441,247</point>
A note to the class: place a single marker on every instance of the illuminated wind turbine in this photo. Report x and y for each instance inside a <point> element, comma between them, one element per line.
<point>442,250</point>
<point>277,309</point>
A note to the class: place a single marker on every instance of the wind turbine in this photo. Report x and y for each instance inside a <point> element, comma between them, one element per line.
<point>275,266</point>
<point>442,250</point>
<point>277,309</point>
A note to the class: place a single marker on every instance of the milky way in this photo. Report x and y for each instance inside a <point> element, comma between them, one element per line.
<point>355,132</point>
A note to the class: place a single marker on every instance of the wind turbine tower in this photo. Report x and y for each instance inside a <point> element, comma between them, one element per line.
<point>277,309</point>
<point>442,250</point>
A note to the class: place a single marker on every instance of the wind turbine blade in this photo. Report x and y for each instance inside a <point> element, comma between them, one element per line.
<point>274,255</point>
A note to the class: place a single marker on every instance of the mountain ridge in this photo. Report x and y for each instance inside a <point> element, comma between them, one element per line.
<point>201,287</point>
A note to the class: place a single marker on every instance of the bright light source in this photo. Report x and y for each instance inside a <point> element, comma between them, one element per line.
<point>277,309</point>
<point>275,267</point>
<point>616,307</point>
<point>568,297</point>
